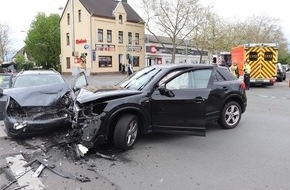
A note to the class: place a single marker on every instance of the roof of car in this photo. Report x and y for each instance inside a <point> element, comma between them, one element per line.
<point>183,65</point>
<point>5,74</point>
<point>38,72</point>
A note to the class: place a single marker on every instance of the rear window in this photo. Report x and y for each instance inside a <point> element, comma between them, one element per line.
<point>226,74</point>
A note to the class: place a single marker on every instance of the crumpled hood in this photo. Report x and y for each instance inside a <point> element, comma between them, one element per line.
<point>90,93</point>
<point>45,95</point>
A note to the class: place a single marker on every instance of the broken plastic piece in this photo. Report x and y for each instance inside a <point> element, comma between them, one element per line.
<point>83,149</point>
<point>106,156</point>
<point>19,125</point>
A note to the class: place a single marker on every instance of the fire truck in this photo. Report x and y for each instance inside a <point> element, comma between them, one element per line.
<point>262,57</point>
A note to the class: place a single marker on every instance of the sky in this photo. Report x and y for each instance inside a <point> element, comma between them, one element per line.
<point>18,14</point>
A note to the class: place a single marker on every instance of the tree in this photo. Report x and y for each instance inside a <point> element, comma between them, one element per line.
<point>43,41</point>
<point>173,20</point>
<point>4,41</point>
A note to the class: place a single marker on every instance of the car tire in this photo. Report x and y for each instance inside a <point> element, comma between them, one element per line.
<point>126,131</point>
<point>231,115</point>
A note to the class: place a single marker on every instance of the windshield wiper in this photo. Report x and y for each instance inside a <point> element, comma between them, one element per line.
<point>132,81</point>
<point>144,84</point>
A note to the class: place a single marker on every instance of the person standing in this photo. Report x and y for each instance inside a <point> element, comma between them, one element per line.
<point>247,71</point>
<point>234,69</point>
<point>130,68</point>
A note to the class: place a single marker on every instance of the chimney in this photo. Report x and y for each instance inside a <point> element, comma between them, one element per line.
<point>124,1</point>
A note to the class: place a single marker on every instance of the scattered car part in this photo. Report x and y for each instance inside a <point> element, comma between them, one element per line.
<point>52,168</point>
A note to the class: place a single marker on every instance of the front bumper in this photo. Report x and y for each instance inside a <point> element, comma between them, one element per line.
<point>15,128</point>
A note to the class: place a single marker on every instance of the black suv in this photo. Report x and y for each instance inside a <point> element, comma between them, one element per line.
<point>175,98</point>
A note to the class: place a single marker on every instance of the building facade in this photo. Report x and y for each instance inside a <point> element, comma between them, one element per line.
<point>100,36</point>
<point>156,53</point>
<point>104,36</point>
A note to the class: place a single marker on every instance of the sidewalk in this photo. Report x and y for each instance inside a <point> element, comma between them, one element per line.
<point>99,79</point>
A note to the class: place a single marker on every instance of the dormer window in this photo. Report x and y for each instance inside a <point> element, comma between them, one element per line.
<point>120,19</point>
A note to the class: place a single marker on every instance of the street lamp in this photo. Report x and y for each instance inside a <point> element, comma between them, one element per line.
<point>186,41</point>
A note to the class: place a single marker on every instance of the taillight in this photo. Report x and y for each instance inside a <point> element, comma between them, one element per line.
<point>243,85</point>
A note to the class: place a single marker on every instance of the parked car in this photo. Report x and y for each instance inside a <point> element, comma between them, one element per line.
<point>281,72</point>
<point>287,67</point>
<point>171,98</point>
<point>5,80</point>
<point>38,101</point>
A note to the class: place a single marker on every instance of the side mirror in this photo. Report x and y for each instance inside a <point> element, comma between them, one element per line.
<point>165,92</point>
<point>1,92</point>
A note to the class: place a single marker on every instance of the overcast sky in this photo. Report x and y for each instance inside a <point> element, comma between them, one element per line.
<point>19,14</point>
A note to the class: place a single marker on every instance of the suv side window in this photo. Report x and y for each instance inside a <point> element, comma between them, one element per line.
<point>190,80</point>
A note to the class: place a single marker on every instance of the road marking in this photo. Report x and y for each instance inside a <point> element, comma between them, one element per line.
<point>273,97</point>
<point>23,174</point>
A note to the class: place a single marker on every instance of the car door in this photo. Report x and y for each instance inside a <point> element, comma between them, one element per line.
<point>179,104</point>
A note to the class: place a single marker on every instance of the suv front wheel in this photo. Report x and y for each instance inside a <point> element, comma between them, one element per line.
<point>126,131</point>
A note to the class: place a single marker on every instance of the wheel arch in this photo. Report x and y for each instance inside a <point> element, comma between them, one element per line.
<point>116,115</point>
<point>235,99</point>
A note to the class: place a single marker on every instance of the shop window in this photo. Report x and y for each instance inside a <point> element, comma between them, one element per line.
<point>68,19</point>
<point>105,61</point>
<point>129,37</point>
<point>68,62</point>
<point>120,19</point>
<point>100,35</point>
<point>67,39</point>
<point>136,62</point>
<point>137,39</point>
<point>109,36</point>
<point>80,15</point>
<point>120,37</point>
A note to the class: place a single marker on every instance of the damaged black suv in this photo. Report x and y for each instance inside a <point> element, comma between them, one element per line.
<point>176,98</point>
<point>39,101</point>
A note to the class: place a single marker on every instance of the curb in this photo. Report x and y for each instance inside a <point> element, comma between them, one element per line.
<point>2,132</point>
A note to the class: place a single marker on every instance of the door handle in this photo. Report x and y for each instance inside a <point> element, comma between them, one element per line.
<point>225,88</point>
<point>198,100</point>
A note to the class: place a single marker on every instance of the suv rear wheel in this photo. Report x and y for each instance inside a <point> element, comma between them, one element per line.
<point>231,115</point>
<point>126,131</point>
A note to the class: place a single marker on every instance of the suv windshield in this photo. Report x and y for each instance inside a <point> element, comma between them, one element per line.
<point>140,79</point>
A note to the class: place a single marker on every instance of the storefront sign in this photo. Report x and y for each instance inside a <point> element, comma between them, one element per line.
<point>153,49</point>
<point>81,41</point>
<point>105,47</point>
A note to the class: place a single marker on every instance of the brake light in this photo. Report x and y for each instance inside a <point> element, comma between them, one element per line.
<point>243,85</point>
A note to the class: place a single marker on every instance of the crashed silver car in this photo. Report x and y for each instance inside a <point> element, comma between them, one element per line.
<point>38,101</point>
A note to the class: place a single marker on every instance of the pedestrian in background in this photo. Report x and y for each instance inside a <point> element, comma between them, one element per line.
<point>130,68</point>
<point>247,71</point>
<point>234,69</point>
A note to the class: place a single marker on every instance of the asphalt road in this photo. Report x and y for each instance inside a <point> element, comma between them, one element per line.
<point>255,155</point>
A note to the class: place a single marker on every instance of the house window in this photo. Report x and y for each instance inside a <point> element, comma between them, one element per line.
<point>68,19</point>
<point>120,19</point>
<point>67,39</point>
<point>105,61</point>
<point>68,62</point>
<point>80,15</point>
<point>120,37</point>
<point>137,39</point>
<point>109,36</point>
<point>100,35</point>
<point>129,37</point>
